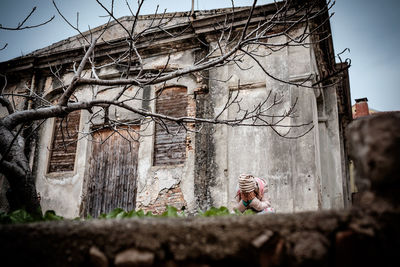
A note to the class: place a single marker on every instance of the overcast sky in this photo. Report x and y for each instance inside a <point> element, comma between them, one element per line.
<point>369,28</point>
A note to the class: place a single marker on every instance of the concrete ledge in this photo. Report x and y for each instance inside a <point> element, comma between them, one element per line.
<point>370,237</point>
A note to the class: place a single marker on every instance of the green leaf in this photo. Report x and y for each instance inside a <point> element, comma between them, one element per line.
<point>102,216</point>
<point>140,213</point>
<point>114,213</point>
<point>131,214</point>
<point>170,212</point>
<point>149,214</point>
<point>121,215</point>
<point>20,216</point>
<point>237,212</point>
<point>213,211</point>
<point>223,210</point>
<point>248,212</point>
<point>50,215</point>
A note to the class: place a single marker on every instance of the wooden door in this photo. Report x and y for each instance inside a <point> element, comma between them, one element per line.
<point>112,171</point>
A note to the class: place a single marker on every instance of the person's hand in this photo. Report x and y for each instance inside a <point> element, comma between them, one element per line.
<point>248,196</point>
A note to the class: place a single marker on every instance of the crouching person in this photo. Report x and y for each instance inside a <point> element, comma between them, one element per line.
<point>252,194</point>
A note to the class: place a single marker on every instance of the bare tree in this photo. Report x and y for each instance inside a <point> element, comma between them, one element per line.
<point>237,34</point>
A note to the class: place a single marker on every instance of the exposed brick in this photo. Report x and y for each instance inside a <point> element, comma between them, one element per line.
<point>171,197</point>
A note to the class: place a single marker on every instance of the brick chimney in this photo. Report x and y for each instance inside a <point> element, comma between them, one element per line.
<point>361,108</point>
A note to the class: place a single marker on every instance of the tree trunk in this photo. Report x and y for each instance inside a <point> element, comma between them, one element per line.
<point>14,165</point>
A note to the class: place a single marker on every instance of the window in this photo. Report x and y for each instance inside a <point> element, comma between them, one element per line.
<point>64,143</point>
<point>170,148</point>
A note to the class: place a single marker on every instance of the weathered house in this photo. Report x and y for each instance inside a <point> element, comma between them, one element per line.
<point>92,169</point>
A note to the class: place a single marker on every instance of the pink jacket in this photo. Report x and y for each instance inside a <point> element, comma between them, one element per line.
<point>260,203</point>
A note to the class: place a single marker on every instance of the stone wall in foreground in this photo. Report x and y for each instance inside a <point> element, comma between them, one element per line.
<point>366,235</point>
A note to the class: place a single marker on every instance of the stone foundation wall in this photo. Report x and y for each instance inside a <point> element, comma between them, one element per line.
<point>356,237</point>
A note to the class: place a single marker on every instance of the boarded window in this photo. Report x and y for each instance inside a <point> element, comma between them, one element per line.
<point>112,171</point>
<point>63,148</point>
<point>170,148</point>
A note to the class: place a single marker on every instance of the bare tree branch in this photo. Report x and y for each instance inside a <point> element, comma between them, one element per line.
<point>5,102</point>
<point>21,24</point>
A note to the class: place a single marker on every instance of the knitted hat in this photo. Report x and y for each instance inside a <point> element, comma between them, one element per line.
<point>247,183</point>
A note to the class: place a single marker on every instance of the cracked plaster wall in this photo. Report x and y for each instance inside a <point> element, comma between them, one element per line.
<point>292,168</point>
